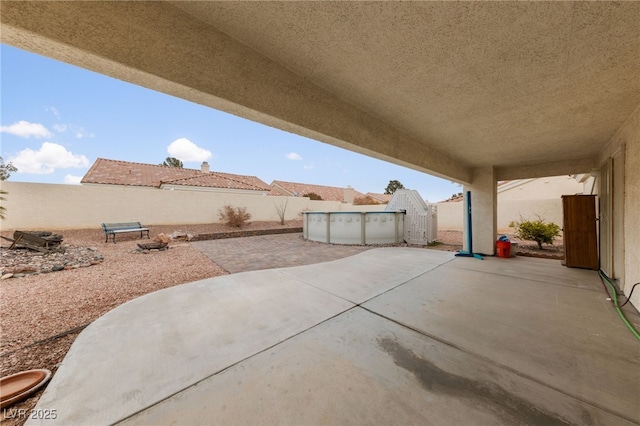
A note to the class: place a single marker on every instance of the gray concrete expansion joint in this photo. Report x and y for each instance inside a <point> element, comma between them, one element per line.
<point>228,367</point>
<point>359,304</point>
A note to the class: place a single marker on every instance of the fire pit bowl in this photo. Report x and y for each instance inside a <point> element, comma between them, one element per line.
<point>153,246</point>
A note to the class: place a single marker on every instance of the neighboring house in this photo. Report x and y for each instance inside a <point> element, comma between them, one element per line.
<point>540,188</point>
<point>380,198</point>
<point>453,199</point>
<point>526,199</point>
<point>328,193</point>
<point>115,172</point>
<point>545,188</point>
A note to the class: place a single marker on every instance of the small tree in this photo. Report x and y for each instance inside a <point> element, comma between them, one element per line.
<point>281,208</point>
<point>5,173</point>
<point>234,216</point>
<point>172,162</point>
<point>536,230</point>
<point>393,186</point>
<point>6,169</point>
<point>313,196</point>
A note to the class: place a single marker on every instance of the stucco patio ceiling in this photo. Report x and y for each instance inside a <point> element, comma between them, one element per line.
<point>443,87</point>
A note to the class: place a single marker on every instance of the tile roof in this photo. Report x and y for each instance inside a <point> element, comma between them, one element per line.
<point>116,172</point>
<point>453,199</point>
<point>328,193</point>
<point>382,198</point>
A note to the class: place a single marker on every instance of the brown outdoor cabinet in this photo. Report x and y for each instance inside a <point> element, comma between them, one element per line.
<point>580,231</point>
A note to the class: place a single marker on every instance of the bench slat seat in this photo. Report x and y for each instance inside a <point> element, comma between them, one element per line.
<point>111,229</point>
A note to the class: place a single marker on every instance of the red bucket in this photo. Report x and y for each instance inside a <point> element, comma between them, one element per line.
<point>503,248</point>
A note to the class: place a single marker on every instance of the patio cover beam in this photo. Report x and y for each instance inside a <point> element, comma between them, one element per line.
<point>548,168</point>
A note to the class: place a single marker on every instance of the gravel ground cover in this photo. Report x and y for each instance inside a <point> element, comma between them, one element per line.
<point>452,241</point>
<point>41,315</point>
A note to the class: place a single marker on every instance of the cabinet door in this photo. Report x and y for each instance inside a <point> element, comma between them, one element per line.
<point>580,238</point>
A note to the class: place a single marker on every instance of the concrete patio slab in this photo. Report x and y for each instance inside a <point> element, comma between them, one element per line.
<point>156,345</point>
<point>363,276</point>
<point>566,337</point>
<point>448,344</point>
<point>534,269</point>
<point>359,368</point>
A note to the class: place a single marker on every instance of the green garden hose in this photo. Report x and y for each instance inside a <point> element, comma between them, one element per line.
<point>614,298</point>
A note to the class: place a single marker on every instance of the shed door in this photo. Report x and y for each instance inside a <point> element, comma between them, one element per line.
<point>580,235</point>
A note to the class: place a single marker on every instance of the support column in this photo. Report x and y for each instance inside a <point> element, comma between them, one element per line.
<point>484,203</point>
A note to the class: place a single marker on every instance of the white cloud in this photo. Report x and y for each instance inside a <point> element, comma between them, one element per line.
<point>293,156</point>
<point>25,129</point>
<point>185,150</point>
<point>72,180</point>
<point>81,132</point>
<point>78,131</point>
<point>47,159</point>
<point>53,110</point>
<point>309,166</point>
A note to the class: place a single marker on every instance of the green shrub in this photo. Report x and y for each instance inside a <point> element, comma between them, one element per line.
<point>234,216</point>
<point>536,230</point>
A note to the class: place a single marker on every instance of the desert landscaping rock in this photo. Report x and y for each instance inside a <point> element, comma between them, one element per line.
<point>24,262</point>
<point>180,236</point>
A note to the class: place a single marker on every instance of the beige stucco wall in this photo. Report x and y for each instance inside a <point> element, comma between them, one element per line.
<point>541,188</point>
<point>549,209</point>
<point>483,211</point>
<point>450,215</point>
<point>629,136</point>
<point>49,206</point>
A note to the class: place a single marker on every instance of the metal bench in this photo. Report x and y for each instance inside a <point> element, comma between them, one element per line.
<point>118,228</point>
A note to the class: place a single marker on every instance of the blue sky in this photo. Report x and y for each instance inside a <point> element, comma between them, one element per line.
<point>56,119</point>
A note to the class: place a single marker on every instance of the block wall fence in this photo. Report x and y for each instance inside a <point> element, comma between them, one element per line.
<point>52,206</point>
<point>37,206</point>
<point>450,215</point>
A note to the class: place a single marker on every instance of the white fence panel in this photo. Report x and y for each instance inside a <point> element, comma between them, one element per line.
<point>421,224</point>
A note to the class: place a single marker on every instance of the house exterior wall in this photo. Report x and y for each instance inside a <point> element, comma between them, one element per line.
<point>59,207</point>
<point>533,198</point>
<point>541,188</point>
<point>628,138</point>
